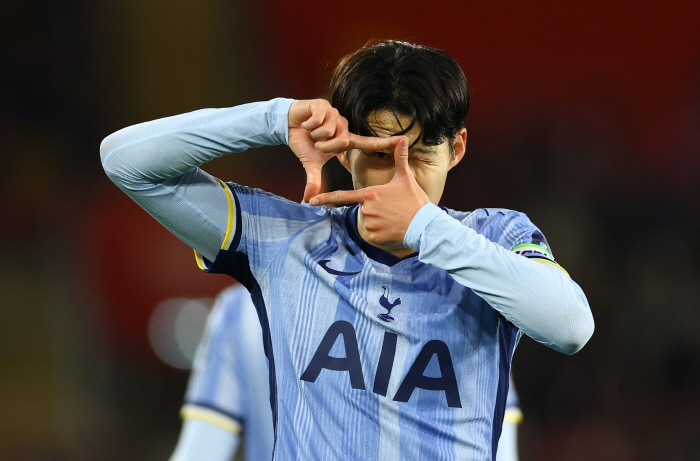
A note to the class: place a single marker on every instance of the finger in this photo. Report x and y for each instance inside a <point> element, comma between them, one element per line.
<point>335,145</point>
<point>339,197</point>
<point>323,132</point>
<point>372,143</point>
<point>341,136</point>
<point>318,115</point>
<point>313,183</point>
<point>329,127</point>
<point>401,166</point>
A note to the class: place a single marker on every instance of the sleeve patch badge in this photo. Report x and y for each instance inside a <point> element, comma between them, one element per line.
<point>531,250</point>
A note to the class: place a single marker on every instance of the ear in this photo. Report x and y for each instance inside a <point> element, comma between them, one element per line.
<point>343,158</point>
<point>460,144</point>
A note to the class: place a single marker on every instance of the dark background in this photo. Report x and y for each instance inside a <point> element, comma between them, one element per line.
<point>586,116</point>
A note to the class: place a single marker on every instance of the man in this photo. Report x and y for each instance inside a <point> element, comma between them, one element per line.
<point>389,326</point>
<point>228,390</point>
<point>508,443</point>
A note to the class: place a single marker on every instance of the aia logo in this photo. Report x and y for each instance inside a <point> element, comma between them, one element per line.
<point>384,302</point>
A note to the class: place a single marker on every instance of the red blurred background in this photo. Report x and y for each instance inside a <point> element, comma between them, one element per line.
<point>586,116</point>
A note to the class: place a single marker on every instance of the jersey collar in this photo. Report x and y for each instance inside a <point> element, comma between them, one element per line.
<point>373,252</point>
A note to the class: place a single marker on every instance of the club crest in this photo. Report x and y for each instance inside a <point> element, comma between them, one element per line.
<point>386,304</point>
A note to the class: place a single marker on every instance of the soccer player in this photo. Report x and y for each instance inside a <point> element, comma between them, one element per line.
<point>228,390</point>
<point>508,443</point>
<point>389,324</point>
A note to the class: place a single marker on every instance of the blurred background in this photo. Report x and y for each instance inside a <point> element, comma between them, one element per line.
<point>586,116</point>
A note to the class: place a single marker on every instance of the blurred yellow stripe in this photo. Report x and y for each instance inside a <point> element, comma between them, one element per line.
<point>200,260</point>
<point>229,226</point>
<point>552,263</point>
<point>210,416</point>
<point>513,415</point>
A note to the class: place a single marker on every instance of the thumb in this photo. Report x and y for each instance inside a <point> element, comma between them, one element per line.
<point>401,167</point>
<point>313,183</point>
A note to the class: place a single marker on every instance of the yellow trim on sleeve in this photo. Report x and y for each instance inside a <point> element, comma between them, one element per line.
<point>229,226</point>
<point>552,263</point>
<point>228,236</point>
<point>200,260</point>
<point>513,415</point>
<point>211,417</point>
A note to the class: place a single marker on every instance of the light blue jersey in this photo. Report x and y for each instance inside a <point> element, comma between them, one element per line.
<point>508,443</point>
<point>370,356</point>
<point>229,383</point>
<point>228,387</point>
<point>354,332</point>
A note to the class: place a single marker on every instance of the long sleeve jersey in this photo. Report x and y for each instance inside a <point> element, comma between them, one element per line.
<point>370,356</point>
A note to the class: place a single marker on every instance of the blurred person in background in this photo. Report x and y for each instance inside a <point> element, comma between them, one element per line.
<point>453,284</point>
<point>228,391</point>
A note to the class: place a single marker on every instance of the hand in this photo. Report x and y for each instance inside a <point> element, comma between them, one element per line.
<point>317,132</point>
<point>387,209</point>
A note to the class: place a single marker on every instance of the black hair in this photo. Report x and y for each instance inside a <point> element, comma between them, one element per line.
<point>405,79</point>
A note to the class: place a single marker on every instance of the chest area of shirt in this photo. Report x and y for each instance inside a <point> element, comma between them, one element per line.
<point>338,282</point>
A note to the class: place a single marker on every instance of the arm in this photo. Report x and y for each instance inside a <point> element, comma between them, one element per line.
<point>539,298</point>
<point>508,443</point>
<point>156,164</point>
<point>228,389</point>
<point>214,408</point>
<point>200,440</point>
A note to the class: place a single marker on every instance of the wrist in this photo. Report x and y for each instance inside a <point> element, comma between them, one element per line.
<point>425,215</point>
<point>278,121</point>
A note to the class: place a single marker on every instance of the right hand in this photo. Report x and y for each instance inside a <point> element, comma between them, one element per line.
<point>317,132</point>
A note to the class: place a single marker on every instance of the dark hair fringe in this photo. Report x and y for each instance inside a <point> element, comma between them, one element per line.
<point>405,79</point>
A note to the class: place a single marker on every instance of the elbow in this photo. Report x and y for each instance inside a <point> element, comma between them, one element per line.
<point>116,166</point>
<point>580,332</point>
<point>107,146</point>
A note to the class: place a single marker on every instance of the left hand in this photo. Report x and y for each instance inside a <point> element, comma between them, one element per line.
<point>387,209</point>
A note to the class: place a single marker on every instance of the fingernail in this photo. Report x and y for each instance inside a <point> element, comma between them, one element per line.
<point>313,202</point>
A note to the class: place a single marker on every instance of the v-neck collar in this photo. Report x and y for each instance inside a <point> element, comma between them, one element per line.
<point>373,252</point>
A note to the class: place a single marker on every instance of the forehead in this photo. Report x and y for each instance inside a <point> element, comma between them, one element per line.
<point>385,123</point>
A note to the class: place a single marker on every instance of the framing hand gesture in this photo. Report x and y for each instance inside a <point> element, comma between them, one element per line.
<point>317,132</point>
<point>387,209</point>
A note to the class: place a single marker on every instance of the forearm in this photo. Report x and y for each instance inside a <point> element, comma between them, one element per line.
<point>169,147</point>
<point>539,298</point>
<point>156,164</point>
